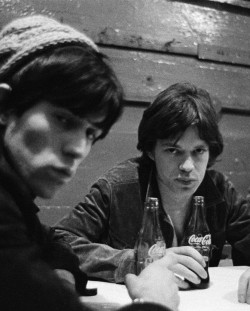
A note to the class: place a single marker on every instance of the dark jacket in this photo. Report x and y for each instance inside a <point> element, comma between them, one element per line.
<point>29,252</point>
<point>103,228</point>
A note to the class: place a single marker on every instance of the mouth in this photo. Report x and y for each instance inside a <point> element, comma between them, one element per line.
<point>61,174</point>
<point>186,181</point>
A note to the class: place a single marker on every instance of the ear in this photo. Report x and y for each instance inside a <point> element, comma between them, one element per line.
<point>150,155</point>
<point>3,119</point>
<point>5,90</point>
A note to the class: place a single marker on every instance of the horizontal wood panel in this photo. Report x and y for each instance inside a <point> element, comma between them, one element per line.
<point>222,4</point>
<point>224,54</point>
<point>203,45</point>
<point>144,75</point>
<point>174,27</point>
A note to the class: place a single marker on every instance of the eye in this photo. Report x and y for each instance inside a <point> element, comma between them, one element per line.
<point>200,150</point>
<point>172,150</point>
<point>92,134</point>
<point>64,121</point>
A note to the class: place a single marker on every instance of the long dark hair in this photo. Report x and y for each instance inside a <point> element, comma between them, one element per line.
<point>173,111</point>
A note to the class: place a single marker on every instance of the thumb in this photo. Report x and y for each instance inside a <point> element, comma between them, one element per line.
<point>132,284</point>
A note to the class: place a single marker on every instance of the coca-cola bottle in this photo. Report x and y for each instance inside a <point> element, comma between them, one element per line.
<point>150,244</point>
<point>197,235</point>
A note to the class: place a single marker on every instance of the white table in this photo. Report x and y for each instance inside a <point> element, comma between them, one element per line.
<point>220,296</point>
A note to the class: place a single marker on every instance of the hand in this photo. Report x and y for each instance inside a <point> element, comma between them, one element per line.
<point>186,263</point>
<point>244,287</point>
<point>154,284</point>
<point>66,277</point>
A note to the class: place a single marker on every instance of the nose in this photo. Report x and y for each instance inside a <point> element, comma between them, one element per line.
<point>187,165</point>
<point>77,147</point>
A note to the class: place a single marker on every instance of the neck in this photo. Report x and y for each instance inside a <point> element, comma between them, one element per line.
<point>176,207</point>
<point>171,200</point>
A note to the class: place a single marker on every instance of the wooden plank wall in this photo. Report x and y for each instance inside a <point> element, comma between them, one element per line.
<point>152,44</point>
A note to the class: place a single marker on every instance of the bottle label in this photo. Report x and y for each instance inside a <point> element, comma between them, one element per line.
<point>202,244</point>
<point>202,240</point>
<point>157,250</point>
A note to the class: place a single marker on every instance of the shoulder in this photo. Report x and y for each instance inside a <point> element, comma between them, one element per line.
<point>217,177</point>
<point>222,182</point>
<point>124,172</point>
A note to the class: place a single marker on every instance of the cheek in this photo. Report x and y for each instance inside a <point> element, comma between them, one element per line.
<point>35,141</point>
<point>165,167</point>
<point>203,167</point>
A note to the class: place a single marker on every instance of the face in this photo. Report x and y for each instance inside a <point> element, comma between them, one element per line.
<point>181,165</point>
<point>47,144</point>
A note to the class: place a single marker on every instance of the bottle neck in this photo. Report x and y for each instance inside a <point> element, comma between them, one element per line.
<point>199,211</point>
<point>198,214</point>
<point>150,222</point>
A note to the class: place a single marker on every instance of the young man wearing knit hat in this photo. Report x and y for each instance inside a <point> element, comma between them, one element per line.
<point>58,96</point>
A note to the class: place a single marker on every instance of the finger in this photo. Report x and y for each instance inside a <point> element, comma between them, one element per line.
<point>186,273</point>
<point>194,266</point>
<point>180,281</point>
<point>248,293</point>
<point>243,288</point>
<point>189,266</point>
<point>131,282</point>
<point>190,252</point>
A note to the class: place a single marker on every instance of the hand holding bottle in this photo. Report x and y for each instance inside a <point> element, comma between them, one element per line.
<point>186,263</point>
<point>197,235</point>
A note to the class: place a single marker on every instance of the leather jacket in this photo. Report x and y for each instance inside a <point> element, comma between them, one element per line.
<point>103,228</point>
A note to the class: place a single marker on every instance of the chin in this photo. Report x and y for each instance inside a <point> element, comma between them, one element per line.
<point>46,193</point>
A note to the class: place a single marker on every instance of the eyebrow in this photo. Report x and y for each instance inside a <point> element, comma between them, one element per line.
<point>96,125</point>
<point>175,145</point>
<point>169,143</point>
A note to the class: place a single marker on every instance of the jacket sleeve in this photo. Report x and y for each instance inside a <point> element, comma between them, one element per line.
<point>86,228</point>
<point>26,281</point>
<point>238,226</point>
<point>58,254</point>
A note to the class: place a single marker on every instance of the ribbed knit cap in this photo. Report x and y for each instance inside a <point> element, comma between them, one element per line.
<point>30,35</point>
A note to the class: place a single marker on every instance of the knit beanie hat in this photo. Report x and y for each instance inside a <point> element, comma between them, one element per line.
<point>28,36</point>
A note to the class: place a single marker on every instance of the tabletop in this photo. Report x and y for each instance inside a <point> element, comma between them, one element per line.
<point>220,296</point>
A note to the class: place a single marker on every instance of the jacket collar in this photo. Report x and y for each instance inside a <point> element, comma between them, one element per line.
<point>209,190</point>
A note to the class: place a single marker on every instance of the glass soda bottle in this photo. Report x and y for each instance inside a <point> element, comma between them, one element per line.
<point>197,235</point>
<point>150,244</point>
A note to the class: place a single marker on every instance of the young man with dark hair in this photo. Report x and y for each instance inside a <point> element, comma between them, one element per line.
<point>58,96</point>
<point>180,140</point>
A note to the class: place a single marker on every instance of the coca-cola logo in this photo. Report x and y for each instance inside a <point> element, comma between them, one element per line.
<point>156,250</point>
<point>202,240</point>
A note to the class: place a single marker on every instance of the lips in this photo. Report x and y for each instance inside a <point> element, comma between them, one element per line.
<point>186,181</point>
<point>61,173</point>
